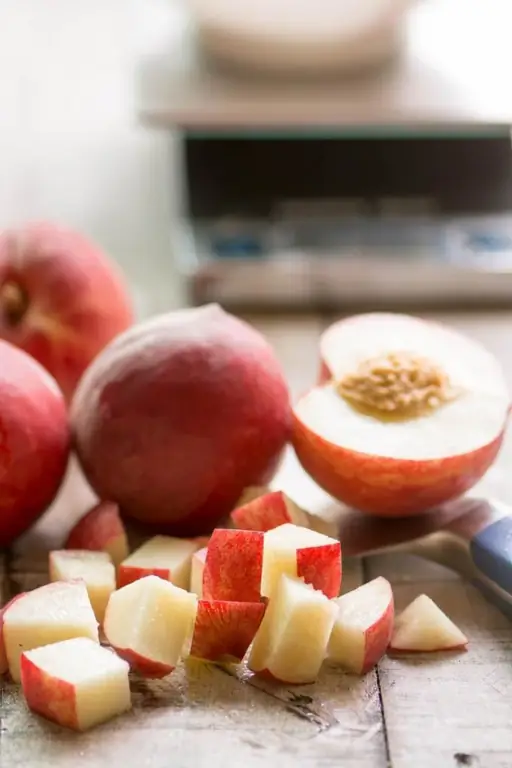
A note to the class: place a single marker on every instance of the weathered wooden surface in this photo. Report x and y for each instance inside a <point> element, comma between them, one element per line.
<point>445,711</point>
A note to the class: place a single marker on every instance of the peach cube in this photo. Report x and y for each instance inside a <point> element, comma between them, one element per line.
<point>196,575</point>
<point>301,553</point>
<point>150,623</point>
<point>76,683</point>
<point>101,530</point>
<point>224,630</point>
<point>292,640</point>
<point>95,568</point>
<point>162,556</point>
<point>49,614</point>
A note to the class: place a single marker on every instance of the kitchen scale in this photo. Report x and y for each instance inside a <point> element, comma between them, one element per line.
<point>392,188</point>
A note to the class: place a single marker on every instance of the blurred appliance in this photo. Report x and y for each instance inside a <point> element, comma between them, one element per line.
<point>390,188</point>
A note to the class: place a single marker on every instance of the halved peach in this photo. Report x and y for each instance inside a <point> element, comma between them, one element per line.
<point>408,415</point>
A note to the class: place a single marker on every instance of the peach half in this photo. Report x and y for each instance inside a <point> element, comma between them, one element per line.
<point>408,414</point>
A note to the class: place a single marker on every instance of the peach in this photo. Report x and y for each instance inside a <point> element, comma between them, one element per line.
<point>179,415</point>
<point>423,628</point>
<point>61,300</point>
<point>75,683</point>
<point>224,630</point>
<point>161,556</point>
<point>291,642</point>
<point>269,511</point>
<point>101,530</point>
<point>94,568</point>
<point>413,415</point>
<point>363,626</point>
<point>58,611</point>
<point>149,623</point>
<point>233,566</point>
<point>197,570</point>
<point>301,553</point>
<point>34,441</point>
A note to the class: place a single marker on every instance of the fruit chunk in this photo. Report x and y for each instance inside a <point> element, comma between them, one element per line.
<point>423,627</point>
<point>269,511</point>
<point>196,575</point>
<point>161,556</point>
<point>34,441</point>
<point>4,665</point>
<point>303,553</point>
<point>250,493</point>
<point>101,530</point>
<point>291,642</point>
<point>197,385</point>
<point>76,683</point>
<point>233,566</point>
<point>96,570</point>
<point>60,299</point>
<point>363,626</point>
<point>58,611</point>
<point>149,623</point>
<point>412,416</point>
<point>224,630</point>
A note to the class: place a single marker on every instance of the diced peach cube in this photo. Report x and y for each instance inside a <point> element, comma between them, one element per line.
<point>49,614</point>
<point>150,623</point>
<point>163,556</point>
<point>292,640</point>
<point>95,568</point>
<point>303,553</point>
<point>196,575</point>
<point>76,683</point>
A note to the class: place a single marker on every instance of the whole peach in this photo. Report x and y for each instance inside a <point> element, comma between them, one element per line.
<point>34,441</point>
<point>177,416</point>
<point>61,299</point>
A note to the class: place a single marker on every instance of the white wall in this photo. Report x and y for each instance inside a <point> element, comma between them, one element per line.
<point>70,146</point>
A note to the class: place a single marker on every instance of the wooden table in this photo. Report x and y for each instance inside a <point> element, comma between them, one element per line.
<point>423,713</point>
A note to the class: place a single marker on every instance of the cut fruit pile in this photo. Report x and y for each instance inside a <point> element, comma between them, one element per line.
<point>269,597</point>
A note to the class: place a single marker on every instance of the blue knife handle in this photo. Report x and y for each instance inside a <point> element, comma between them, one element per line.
<point>491,552</point>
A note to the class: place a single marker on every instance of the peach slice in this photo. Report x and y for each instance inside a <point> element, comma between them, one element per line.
<point>224,630</point>
<point>162,556</point>
<point>95,568</point>
<point>233,566</point>
<point>363,626</point>
<point>292,640</point>
<point>412,414</point>
<point>269,511</point>
<point>197,570</point>
<point>49,614</point>
<point>303,553</point>
<point>149,623</point>
<point>75,683</point>
<point>423,627</point>
<point>101,530</point>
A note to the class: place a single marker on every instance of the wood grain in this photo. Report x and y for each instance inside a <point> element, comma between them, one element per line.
<point>447,711</point>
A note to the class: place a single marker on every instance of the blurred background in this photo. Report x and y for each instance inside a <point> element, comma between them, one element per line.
<point>354,155</point>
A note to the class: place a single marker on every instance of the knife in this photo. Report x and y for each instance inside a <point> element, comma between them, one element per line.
<point>470,535</point>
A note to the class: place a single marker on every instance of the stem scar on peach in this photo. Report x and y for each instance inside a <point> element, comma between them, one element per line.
<point>407,414</point>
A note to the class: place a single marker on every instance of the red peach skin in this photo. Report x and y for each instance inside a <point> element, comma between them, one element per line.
<point>56,704</point>
<point>385,486</point>
<point>34,441</point>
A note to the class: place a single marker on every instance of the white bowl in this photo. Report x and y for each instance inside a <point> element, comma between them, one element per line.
<point>300,36</point>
